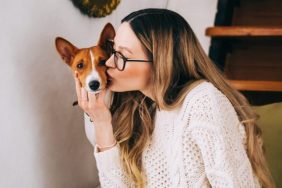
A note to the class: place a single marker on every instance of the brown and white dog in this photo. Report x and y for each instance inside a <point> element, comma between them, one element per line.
<point>89,62</point>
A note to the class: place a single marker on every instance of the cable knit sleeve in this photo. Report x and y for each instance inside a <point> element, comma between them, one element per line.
<point>219,137</point>
<point>108,162</point>
<point>110,171</point>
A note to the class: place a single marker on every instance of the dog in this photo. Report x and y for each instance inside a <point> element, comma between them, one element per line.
<point>89,62</point>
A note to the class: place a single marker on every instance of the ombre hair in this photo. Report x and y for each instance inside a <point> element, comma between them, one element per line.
<point>177,60</point>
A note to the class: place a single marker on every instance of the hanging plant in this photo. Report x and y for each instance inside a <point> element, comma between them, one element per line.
<point>96,8</point>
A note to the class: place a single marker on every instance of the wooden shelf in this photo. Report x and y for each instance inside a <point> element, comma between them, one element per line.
<point>248,85</point>
<point>246,45</point>
<point>240,31</point>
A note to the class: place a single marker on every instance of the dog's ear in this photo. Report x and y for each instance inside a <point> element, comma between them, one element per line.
<point>66,49</point>
<point>107,36</point>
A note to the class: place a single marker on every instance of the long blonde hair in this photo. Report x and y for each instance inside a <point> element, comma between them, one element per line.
<point>178,59</point>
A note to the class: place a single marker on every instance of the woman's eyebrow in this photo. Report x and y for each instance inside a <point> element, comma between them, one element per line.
<point>125,48</point>
<point>121,47</point>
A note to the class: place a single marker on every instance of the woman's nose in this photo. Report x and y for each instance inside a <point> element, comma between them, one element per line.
<point>110,62</point>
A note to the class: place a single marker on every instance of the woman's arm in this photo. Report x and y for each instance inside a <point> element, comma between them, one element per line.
<point>225,160</point>
<point>108,161</point>
<point>111,173</point>
<point>217,139</point>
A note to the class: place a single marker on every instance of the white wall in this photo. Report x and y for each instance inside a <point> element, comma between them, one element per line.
<point>42,139</point>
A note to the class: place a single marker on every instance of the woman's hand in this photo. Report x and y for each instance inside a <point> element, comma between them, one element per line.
<point>94,105</point>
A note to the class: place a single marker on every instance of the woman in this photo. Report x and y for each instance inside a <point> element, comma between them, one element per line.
<point>174,120</point>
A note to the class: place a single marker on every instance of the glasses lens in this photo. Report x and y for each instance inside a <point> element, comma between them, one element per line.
<point>118,61</point>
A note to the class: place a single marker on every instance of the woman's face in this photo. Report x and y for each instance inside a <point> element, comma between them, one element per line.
<point>136,75</point>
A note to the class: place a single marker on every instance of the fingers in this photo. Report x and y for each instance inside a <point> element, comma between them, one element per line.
<point>97,98</point>
<point>77,87</point>
<point>84,98</point>
<point>92,98</point>
<point>101,97</point>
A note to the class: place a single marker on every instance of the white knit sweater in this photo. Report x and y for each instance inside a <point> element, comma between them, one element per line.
<point>200,144</point>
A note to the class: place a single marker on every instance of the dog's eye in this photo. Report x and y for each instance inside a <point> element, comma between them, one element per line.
<point>80,65</point>
<point>102,63</point>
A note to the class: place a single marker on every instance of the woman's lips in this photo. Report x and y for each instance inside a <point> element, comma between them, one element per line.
<point>108,75</point>
<point>109,82</point>
<point>109,79</point>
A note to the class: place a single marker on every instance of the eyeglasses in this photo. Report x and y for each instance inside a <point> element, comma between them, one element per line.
<point>120,60</point>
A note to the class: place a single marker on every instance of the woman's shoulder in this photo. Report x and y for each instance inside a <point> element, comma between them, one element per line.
<point>206,102</point>
<point>202,92</point>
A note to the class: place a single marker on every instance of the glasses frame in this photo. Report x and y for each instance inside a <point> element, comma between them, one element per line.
<point>125,59</point>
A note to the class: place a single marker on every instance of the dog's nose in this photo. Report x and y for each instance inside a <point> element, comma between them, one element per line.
<point>94,85</point>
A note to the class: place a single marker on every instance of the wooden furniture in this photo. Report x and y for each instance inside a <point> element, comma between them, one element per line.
<point>247,43</point>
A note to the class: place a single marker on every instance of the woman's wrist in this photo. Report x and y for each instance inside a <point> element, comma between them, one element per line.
<point>105,147</point>
<point>104,130</point>
<point>104,137</point>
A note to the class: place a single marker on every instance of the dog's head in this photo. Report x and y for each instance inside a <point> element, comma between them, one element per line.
<point>89,62</point>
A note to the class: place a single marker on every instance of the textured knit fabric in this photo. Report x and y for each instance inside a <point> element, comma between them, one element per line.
<point>200,144</point>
